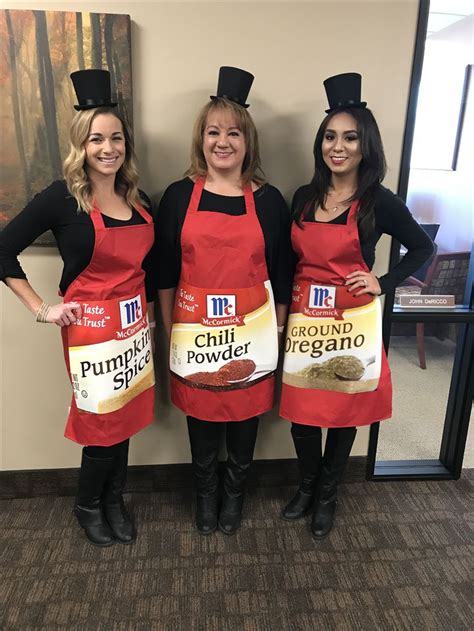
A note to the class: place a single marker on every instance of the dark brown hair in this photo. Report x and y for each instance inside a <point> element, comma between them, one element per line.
<point>371,171</point>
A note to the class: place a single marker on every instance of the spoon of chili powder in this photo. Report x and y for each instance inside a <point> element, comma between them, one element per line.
<point>237,370</point>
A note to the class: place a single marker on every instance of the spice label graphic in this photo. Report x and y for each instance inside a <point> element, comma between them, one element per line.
<point>224,339</point>
<point>332,344</point>
<point>110,355</point>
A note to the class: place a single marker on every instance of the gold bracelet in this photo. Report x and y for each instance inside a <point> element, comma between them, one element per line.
<point>42,313</point>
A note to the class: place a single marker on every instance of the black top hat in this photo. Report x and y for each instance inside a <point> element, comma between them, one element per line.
<point>343,90</point>
<point>92,89</point>
<point>234,85</point>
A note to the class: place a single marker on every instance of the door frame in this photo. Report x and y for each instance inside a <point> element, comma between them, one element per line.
<point>449,463</point>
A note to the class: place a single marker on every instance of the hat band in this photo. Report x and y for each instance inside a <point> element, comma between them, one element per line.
<point>348,103</point>
<point>234,99</point>
<point>96,102</point>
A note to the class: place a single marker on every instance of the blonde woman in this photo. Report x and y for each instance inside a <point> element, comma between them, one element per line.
<point>225,281</point>
<point>103,233</point>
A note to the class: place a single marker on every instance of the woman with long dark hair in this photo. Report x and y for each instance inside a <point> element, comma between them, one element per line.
<point>104,232</point>
<point>224,261</point>
<point>335,372</point>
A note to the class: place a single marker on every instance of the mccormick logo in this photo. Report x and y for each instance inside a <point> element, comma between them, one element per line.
<point>220,306</point>
<point>130,311</point>
<point>322,297</point>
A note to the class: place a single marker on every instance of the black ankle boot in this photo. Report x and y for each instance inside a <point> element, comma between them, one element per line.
<point>206,514</point>
<point>204,439</point>
<point>88,508</point>
<point>240,440</point>
<point>336,454</point>
<point>301,503</point>
<point>323,517</point>
<point>120,522</point>
<point>114,507</point>
<point>230,515</point>
<point>308,451</point>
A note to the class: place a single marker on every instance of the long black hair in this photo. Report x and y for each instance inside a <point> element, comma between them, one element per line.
<point>371,171</point>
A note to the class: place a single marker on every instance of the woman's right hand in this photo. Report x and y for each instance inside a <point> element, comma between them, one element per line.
<point>64,314</point>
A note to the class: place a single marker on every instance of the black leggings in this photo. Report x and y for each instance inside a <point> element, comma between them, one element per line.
<point>95,451</point>
<point>239,435</point>
<point>301,431</point>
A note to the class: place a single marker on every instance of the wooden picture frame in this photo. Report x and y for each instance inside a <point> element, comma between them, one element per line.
<point>39,51</point>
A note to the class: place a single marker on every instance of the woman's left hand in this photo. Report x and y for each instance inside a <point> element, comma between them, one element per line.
<point>365,282</point>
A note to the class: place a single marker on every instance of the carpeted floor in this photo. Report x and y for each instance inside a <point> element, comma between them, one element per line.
<point>399,558</point>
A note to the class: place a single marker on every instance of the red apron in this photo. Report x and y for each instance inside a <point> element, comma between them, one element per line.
<point>224,346</point>
<point>108,352</point>
<point>335,372</point>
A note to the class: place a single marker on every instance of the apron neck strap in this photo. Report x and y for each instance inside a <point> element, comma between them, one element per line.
<point>352,216</point>
<point>196,195</point>
<point>249,201</point>
<point>143,213</point>
<point>96,217</point>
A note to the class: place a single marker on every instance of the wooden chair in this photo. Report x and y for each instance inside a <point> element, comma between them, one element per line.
<point>447,274</point>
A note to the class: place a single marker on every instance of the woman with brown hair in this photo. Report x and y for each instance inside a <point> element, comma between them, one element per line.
<point>335,373</point>
<point>103,232</point>
<point>224,254</point>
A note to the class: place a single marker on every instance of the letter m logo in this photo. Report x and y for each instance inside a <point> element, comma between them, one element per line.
<point>321,297</point>
<point>220,306</point>
<point>130,311</point>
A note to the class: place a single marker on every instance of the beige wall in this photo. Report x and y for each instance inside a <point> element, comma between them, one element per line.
<point>177,49</point>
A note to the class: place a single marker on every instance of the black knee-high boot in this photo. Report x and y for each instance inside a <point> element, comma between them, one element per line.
<point>89,508</point>
<point>204,439</point>
<point>336,454</point>
<point>240,438</point>
<point>114,506</point>
<point>307,443</point>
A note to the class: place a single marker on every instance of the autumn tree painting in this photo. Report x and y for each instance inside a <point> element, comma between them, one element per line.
<point>38,51</point>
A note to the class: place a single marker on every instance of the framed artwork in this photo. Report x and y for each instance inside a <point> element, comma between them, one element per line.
<point>38,51</point>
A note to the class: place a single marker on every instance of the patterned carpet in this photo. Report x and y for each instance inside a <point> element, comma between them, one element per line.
<point>400,557</point>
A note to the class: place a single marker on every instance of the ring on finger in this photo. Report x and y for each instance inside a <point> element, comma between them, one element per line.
<point>365,282</point>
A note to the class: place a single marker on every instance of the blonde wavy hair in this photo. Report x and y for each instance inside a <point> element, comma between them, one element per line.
<point>251,167</point>
<point>74,166</point>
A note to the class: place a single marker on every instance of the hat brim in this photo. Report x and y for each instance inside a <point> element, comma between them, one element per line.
<point>360,105</point>
<point>216,98</point>
<point>79,108</point>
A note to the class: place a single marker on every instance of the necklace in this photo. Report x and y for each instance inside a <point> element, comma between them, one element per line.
<point>338,205</point>
<point>332,210</point>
